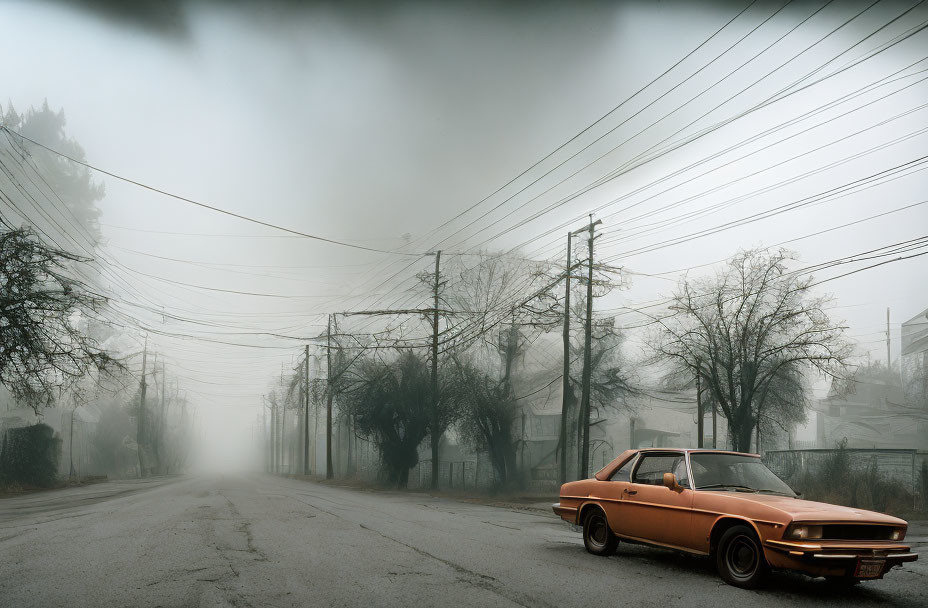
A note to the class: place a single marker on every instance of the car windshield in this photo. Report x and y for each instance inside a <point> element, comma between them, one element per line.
<point>735,472</point>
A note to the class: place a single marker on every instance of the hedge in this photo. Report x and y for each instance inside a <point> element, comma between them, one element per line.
<point>30,455</point>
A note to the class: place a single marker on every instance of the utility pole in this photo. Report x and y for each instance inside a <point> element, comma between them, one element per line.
<point>565,379</point>
<point>587,359</point>
<point>140,431</point>
<point>71,443</point>
<point>283,432</point>
<point>329,472</point>
<point>715,433</point>
<point>162,427</point>
<point>436,435</point>
<point>889,364</point>
<point>700,415</point>
<point>275,423</point>
<point>264,445</point>
<point>312,458</point>
<point>306,411</point>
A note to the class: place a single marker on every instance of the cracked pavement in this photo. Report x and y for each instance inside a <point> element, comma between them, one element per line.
<point>258,540</point>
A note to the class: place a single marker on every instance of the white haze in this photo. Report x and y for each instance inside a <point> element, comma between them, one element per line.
<point>370,126</point>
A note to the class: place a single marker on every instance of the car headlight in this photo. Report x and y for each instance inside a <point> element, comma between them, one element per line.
<point>898,534</point>
<point>803,532</point>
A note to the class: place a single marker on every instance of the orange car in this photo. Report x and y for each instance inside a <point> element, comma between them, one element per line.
<point>732,507</point>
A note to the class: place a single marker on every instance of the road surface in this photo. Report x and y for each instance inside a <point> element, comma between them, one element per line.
<point>257,540</point>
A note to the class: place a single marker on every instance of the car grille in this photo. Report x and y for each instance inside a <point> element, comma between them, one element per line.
<point>856,532</point>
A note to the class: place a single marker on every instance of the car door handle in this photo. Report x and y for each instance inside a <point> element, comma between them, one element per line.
<point>630,492</point>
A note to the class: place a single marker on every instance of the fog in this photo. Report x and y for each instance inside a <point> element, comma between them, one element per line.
<point>253,251</point>
<point>375,125</point>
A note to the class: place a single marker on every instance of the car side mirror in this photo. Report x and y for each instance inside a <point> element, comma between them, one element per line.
<point>670,480</point>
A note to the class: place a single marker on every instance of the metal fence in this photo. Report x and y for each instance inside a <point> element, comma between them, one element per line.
<point>902,466</point>
<point>463,475</point>
<point>77,451</point>
<point>467,472</point>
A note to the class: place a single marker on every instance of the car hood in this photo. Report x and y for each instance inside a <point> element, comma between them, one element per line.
<point>808,510</point>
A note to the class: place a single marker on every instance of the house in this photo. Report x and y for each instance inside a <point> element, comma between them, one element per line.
<point>875,415</point>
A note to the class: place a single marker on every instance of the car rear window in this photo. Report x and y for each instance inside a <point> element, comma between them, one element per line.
<point>624,473</point>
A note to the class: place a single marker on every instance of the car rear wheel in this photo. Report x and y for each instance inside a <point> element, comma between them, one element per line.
<point>739,558</point>
<point>597,536</point>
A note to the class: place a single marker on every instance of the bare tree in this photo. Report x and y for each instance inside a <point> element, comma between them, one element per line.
<point>750,332</point>
<point>496,291</point>
<point>43,349</point>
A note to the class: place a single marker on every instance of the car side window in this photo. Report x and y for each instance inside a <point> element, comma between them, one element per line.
<point>625,471</point>
<point>651,469</point>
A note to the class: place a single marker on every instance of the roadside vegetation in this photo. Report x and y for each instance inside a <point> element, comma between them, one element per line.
<point>61,350</point>
<point>841,480</point>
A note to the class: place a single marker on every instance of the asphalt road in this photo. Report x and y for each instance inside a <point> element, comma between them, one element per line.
<point>256,540</point>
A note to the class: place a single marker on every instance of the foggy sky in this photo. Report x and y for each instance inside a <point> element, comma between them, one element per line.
<point>372,123</point>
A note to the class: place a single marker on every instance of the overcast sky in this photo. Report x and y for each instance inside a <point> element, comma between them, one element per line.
<point>377,125</point>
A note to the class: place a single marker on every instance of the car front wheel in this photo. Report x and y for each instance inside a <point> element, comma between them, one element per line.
<point>740,558</point>
<point>597,536</point>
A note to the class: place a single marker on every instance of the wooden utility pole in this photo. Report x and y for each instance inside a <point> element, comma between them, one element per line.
<point>436,434</point>
<point>700,415</point>
<point>587,360</point>
<point>140,431</point>
<point>329,472</point>
<point>71,443</point>
<point>283,430</point>
<point>275,443</point>
<point>312,456</point>
<point>162,426</point>
<point>306,411</point>
<point>889,361</point>
<point>263,439</point>
<point>565,380</point>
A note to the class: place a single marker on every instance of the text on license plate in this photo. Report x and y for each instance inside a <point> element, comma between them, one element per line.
<point>869,568</point>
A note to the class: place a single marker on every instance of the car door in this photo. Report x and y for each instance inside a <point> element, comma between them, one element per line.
<point>612,491</point>
<point>652,512</point>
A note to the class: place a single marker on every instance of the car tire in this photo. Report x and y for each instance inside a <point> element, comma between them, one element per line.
<point>739,558</point>
<point>597,536</point>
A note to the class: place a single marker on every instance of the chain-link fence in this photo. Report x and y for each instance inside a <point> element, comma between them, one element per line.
<point>900,467</point>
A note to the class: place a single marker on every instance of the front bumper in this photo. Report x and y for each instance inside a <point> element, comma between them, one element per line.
<point>835,557</point>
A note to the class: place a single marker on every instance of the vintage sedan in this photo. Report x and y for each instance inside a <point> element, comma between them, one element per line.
<point>730,506</point>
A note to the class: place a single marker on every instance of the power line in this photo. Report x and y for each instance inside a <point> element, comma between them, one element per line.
<point>206,206</point>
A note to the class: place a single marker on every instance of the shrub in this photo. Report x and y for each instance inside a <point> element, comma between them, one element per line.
<point>836,480</point>
<point>30,456</point>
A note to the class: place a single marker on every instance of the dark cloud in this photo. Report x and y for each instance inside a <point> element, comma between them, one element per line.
<point>167,17</point>
<point>171,17</point>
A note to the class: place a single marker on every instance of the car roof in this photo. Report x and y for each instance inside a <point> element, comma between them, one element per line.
<point>626,455</point>
<point>697,451</point>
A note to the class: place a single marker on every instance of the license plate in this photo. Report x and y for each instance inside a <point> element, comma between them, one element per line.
<point>869,568</point>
